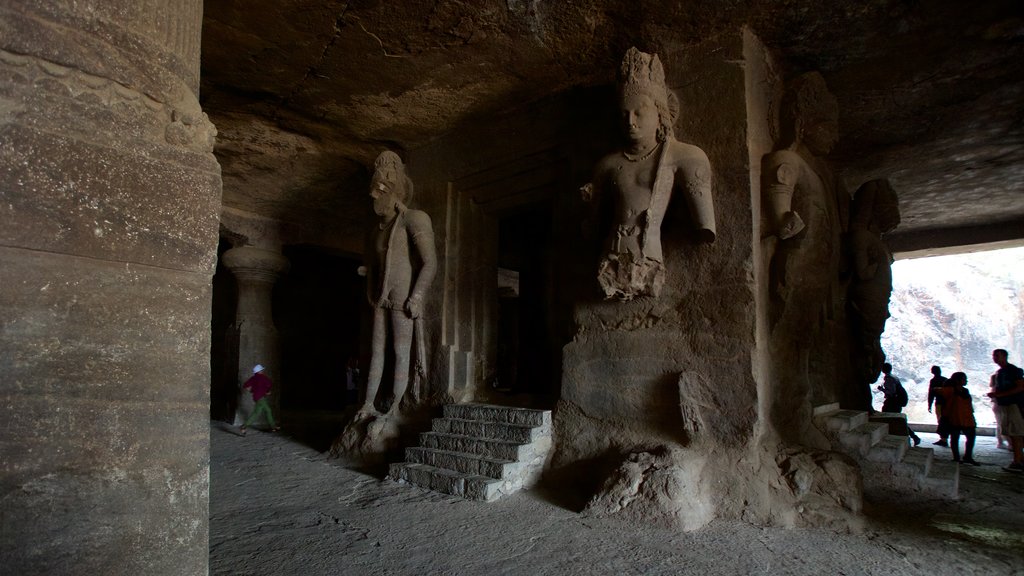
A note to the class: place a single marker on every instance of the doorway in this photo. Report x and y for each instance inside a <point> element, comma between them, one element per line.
<point>318,307</point>
<point>528,355</point>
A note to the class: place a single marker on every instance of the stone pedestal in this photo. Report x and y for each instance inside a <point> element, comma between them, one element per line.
<point>256,270</point>
<point>109,198</point>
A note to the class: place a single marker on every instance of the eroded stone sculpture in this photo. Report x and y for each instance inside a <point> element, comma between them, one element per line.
<point>807,210</point>
<point>875,212</point>
<point>401,269</point>
<point>807,207</point>
<point>642,178</point>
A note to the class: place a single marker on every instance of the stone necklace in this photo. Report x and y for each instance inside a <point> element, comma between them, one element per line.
<point>644,156</point>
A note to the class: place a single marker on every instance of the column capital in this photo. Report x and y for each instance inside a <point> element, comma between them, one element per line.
<point>249,263</point>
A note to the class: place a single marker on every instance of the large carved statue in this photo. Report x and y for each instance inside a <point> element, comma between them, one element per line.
<point>806,211</point>
<point>642,178</point>
<point>401,269</point>
<point>875,212</point>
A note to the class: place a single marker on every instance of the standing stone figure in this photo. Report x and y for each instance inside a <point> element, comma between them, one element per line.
<point>808,208</point>
<point>642,178</point>
<point>806,213</point>
<point>401,269</point>
<point>875,211</point>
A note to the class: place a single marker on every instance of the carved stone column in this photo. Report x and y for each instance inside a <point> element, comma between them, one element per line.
<point>109,199</point>
<point>256,271</point>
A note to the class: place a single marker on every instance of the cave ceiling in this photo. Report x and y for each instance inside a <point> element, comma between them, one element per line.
<point>305,93</point>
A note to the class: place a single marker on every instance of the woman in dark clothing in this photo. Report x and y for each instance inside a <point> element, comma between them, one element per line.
<point>958,415</point>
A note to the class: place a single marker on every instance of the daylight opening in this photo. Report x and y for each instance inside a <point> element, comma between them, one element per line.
<point>952,311</point>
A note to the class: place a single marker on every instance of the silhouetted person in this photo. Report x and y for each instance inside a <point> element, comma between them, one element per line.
<point>958,416</point>
<point>1009,395</point>
<point>934,395</point>
<point>895,397</point>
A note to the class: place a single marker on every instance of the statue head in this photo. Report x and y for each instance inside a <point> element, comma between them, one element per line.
<point>390,188</point>
<point>875,205</point>
<point>810,114</point>
<point>642,84</point>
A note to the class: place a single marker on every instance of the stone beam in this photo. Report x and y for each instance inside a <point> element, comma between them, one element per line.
<point>945,241</point>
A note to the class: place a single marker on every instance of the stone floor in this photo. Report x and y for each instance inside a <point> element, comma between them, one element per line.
<point>279,506</point>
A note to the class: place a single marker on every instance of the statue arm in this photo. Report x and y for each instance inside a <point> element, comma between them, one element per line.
<point>699,199</point>
<point>593,191</point>
<point>371,275</point>
<point>593,195</point>
<point>421,232</point>
<point>779,177</point>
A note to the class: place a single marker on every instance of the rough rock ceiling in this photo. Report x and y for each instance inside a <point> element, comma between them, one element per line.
<point>306,92</point>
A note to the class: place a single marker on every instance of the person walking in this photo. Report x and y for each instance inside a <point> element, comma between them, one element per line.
<point>935,395</point>
<point>895,398</point>
<point>958,417</point>
<point>259,384</point>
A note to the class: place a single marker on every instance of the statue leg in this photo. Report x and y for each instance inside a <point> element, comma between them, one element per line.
<point>380,335</point>
<point>401,329</point>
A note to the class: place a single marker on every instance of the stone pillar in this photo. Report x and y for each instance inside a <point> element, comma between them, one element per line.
<point>109,199</point>
<point>256,270</point>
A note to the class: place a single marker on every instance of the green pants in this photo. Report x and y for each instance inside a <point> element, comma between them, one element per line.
<point>261,406</point>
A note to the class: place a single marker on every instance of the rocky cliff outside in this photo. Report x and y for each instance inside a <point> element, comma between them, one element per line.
<point>952,311</point>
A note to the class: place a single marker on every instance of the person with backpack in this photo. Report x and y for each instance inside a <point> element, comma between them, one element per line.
<point>958,417</point>
<point>895,397</point>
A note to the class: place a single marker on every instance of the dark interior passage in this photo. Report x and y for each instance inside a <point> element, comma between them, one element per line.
<point>317,310</point>
<point>223,341</point>
<point>527,350</point>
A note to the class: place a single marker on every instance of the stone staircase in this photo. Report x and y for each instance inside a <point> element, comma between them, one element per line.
<point>479,452</point>
<point>888,462</point>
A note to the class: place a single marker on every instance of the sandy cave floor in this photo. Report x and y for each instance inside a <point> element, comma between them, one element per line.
<point>280,506</point>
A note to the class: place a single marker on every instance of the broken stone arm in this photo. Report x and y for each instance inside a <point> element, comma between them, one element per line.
<point>780,175</point>
<point>699,200</point>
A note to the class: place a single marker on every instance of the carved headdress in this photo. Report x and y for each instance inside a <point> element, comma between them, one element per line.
<point>807,99</point>
<point>642,73</point>
<point>388,168</point>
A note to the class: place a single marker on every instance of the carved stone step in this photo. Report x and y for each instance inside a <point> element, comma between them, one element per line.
<point>943,480</point>
<point>503,414</point>
<point>498,449</point>
<point>920,459</point>
<point>487,430</point>
<point>859,440</point>
<point>889,465</point>
<point>461,462</point>
<point>889,449</point>
<point>844,420</point>
<point>484,453</point>
<point>446,481</point>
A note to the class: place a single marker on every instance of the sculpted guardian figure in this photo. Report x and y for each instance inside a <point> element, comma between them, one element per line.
<point>875,211</point>
<point>642,178</point>
<point>402,267</point>
<point>807,207</point>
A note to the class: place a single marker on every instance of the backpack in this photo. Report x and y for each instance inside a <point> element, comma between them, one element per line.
<point>901,395</point>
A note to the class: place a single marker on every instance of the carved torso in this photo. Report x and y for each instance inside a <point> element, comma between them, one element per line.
<point>637,206</point>
<point>392,278</point>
